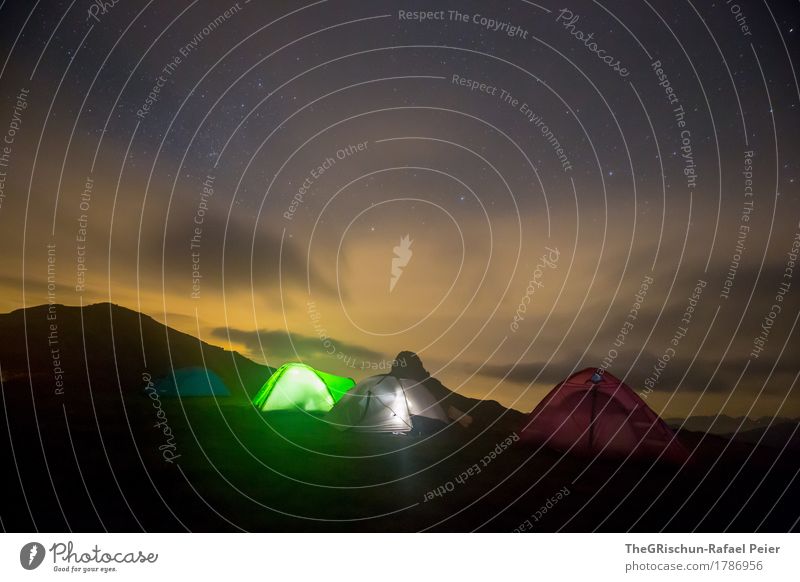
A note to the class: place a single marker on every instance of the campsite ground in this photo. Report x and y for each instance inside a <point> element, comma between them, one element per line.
<point>242,469</point>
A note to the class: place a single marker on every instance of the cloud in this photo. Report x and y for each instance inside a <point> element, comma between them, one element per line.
<point>280,345</point>
<point>525,373</point>
<point>253,258</point>
<point>706,373</point>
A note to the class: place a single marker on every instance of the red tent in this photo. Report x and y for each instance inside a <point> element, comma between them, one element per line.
<point>593,413</point>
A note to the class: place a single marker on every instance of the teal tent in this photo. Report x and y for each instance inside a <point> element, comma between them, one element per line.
<point>191,382</point>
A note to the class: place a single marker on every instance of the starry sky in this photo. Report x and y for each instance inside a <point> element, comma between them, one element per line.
<point>587,184</point>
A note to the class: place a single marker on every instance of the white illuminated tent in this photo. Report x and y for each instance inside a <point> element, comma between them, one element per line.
<point>387,404</point>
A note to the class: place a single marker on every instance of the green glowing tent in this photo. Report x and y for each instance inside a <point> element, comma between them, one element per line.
<point>298,386</point>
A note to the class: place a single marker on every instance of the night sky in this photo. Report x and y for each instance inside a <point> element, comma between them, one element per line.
<point>607,184</point>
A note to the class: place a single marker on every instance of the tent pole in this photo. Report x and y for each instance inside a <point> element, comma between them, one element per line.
<point>591,422</point>
<point>389,408</point>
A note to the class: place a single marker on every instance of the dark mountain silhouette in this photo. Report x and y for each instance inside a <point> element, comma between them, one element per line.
<point>116,345</point>
<point>722,424</point>
<point>79,430</point>
<point>779,435</point>
<point>485,414</point>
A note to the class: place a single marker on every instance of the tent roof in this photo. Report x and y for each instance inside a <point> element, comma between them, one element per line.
<point>591,413</point>
<point>306,378</point>
<point>385,403</point>
<point>191,381</point>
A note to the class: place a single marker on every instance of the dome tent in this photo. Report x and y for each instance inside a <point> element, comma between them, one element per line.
<point>592,413</point>
<point>191,382</point>
<point>299,386</point>
<point>385,403</point>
